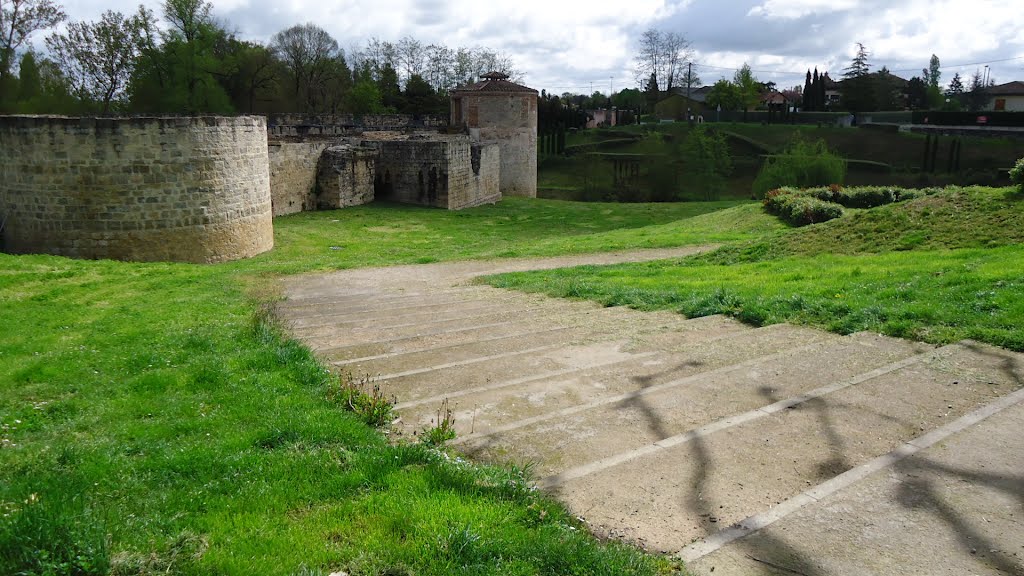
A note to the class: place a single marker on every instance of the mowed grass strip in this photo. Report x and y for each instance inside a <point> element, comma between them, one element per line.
<point>382,234</point>
<point>902,270</point>
<point>152,420</point>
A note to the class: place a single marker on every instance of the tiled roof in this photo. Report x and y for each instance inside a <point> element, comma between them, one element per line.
<point>1009,89</point>
<point>495,82</point>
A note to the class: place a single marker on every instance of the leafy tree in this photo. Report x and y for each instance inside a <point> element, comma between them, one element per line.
<point>308,52</point>
<point>725,95</point>
<point>19,19</point>
<point>251,73</point>
<point>364,98</point>
<point>917,93</point>
<point>747,90</point>
<point>888,92</point>
<point>931,76</point>
<point>858,85</point>
<point>977,95</point>
<point>651,92</point>
<point>179,67</point>
<point>98,58</point>
<point>29,82</point>
<point>420,97</point>
<point>955,93</point>
<point>708,163</point>
<point>390,92</point>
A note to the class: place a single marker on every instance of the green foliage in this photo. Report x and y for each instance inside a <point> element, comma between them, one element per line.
<point>363,396</point>
<point>802,165</point>
<point>1017,174</point>
<point>705,154</point>
<point>443,429</point>
<point>365,98</point>
<point>800,209</point>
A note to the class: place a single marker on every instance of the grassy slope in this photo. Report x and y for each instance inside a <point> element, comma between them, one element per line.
<point>146,417</point>
<point>938,269</point>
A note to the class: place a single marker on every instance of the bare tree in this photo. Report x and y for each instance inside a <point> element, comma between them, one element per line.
<point>19,19</point>
<point>410,56</point>
<point>98,58</point>
<point>663,54</point>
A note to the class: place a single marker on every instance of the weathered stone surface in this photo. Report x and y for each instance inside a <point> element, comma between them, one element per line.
<point>293,175</point>
<point>149,189</point>
<point>345,176</point>
<point>437,170</point>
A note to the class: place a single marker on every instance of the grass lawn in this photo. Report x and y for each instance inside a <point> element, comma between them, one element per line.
<point>153,419</point>
<point>937,269</point>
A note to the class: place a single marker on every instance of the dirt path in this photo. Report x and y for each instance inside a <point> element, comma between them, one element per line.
<point>775,450</point>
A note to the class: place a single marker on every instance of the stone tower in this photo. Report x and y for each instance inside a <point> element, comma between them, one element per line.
<point>498,110</point>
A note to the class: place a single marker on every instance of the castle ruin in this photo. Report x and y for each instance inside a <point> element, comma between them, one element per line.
<point>205,189</point>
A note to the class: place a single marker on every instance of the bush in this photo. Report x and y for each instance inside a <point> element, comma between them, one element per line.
<point>708,164</point>
<point>1017,174</point>
<point>803,164</point>
<point>864,196</point>
<point>799,208</point>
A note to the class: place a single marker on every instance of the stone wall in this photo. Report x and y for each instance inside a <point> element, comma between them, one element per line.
<point>146,189</point>
<point>293,175</point>
<point>437,171</point>
<point>313,125</point>
<point>345,176</point>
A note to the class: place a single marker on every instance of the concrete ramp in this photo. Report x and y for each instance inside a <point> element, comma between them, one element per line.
<point>774,450</point>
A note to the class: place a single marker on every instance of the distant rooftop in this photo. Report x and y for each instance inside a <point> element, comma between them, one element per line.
<point>1015,88</point>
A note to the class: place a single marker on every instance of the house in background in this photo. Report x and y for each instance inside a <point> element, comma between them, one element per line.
<point>675,104</point>
<point>1007,97</point>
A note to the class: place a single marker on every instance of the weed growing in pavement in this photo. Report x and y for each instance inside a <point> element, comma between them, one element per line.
<point>443,429</point>
<point>362,395</point>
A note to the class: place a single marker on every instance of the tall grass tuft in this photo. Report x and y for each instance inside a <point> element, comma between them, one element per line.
<point>802,165</point>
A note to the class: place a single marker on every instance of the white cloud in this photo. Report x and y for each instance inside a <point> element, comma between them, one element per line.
<point>790,9</point>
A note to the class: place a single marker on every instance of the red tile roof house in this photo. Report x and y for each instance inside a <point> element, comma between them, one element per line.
<point>1007,97</point>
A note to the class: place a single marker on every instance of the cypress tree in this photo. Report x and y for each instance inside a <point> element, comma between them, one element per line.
<point>807,91</point>
<point>815,88</point>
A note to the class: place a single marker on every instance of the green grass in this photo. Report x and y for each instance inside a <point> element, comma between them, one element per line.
<point>154,420</point>
<point>385,234</point>
<point>937,269</point>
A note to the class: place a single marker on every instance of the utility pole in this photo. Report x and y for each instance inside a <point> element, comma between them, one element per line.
<point>689,81</point>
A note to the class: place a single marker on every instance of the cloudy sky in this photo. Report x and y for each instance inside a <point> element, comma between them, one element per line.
<point>579,46</point>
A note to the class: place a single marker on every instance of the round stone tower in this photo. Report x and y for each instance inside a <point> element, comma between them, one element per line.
<point>498,110</point>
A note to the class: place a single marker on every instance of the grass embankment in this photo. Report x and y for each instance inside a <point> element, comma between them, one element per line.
<point>152,421</point>
<point>938,269</point>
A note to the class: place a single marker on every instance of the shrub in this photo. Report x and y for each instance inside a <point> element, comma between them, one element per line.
<point>706,155</point>
<point>799,208</point>
<point>1017,174</point>
<point>803,164</point>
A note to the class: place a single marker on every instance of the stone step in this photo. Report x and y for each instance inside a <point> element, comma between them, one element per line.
<point>948,503</point>
<point>641,416</point>
<point>690,485</point>
<point>370,313</point>
<point>473,310</point>
<point>342,336</point>
<point>578,353</point>
<point>593,319</point>
<point>507,404</point>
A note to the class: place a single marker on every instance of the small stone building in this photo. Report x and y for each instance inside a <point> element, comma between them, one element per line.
<point>498,110</point>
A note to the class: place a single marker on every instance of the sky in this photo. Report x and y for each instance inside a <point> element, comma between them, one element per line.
<point>581,47</point>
